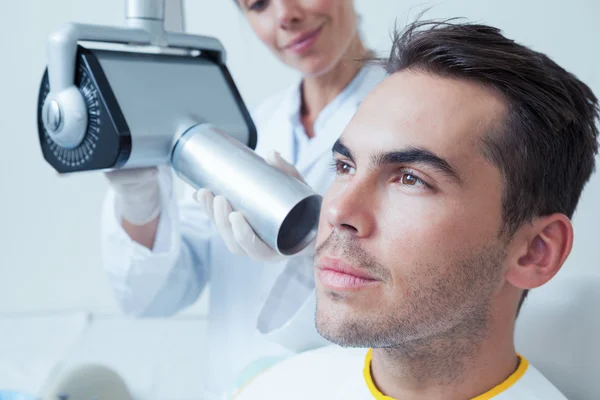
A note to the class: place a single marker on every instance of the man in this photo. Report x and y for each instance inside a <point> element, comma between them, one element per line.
<point>456,181</point>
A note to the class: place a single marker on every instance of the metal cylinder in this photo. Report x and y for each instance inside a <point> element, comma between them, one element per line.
<point>145,9</point>
<point>283,211</point>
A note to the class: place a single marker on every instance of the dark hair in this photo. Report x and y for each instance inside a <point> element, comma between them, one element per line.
<point>546,143</point>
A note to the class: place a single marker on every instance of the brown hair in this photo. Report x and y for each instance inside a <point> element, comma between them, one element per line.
<point>547,142</point>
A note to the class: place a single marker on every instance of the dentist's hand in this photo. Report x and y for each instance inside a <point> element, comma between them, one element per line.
<point>233,227</point>
<point>137,193</point>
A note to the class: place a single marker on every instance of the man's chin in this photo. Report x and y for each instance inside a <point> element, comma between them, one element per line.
<point>341,330</point>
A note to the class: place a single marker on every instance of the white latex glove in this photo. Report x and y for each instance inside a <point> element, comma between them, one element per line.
<point>237,233</point>
<point>137,193</point>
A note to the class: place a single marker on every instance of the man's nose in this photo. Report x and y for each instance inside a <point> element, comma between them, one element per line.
<point>351,210</point>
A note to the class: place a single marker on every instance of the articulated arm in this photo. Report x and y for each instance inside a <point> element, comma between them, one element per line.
<point>64,111</point>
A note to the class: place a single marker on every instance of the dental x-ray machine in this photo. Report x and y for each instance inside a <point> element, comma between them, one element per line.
<point>139,96</point>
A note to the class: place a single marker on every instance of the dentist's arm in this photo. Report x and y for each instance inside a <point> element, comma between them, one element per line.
<point>168,270</point>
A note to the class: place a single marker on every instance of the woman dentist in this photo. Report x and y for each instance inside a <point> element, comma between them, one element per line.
<point>160,253</point>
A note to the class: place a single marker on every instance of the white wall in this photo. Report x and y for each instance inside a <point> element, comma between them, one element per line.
<point>49,225</point>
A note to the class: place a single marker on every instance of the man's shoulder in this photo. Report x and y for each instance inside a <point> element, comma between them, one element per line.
<point>311,374</point>
<point>532,385</point>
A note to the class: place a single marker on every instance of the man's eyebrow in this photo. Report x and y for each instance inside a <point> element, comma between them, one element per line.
<point>416,155</point>
<point>340,148</point>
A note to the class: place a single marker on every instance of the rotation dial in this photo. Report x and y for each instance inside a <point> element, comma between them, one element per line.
<point>52,117</point>
<point>96,138</point>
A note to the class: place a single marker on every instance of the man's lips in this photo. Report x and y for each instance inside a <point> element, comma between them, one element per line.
<point>336,274</point>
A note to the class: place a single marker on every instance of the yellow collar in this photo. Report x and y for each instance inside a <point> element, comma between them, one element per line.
<point>511,380</point>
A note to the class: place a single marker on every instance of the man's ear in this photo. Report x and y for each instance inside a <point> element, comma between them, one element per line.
<point>538,251</point>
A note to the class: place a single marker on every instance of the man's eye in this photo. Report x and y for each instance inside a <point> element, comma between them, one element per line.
<point>342,168</point>
<point>410,179</point>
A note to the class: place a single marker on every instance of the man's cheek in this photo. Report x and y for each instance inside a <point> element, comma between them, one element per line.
<point>412,220</point>
<point>462,230</point>
<point>437,223</point>
<point>418,239</point>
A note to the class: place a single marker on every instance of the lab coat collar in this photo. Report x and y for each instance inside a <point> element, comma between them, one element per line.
<point>334,117</point>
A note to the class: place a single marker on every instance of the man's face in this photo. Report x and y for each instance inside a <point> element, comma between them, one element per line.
<point>408,243</point>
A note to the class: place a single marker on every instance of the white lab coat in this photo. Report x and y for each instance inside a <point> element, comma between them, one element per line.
<point>188,253</point>
<point>335,373</point>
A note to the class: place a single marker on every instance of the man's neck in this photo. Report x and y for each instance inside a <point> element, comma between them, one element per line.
<point>458,365</point>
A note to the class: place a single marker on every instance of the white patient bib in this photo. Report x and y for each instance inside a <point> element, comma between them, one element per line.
<point>337,373</point>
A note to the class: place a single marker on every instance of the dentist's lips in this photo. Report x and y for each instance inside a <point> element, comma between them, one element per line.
<point>337,275</point>
<point>304,41</point>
